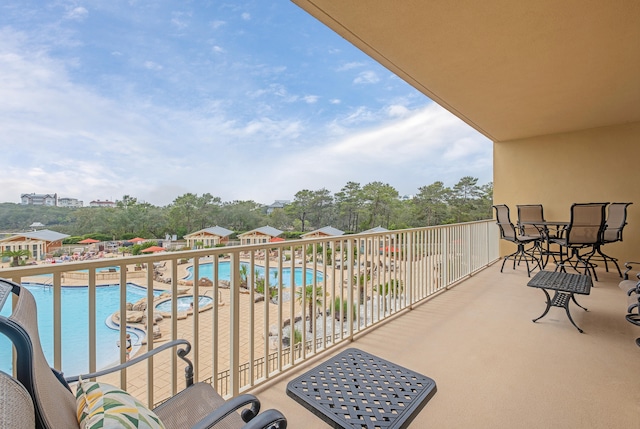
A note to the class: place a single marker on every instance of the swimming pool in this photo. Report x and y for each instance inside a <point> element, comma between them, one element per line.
<point>224,273</point>
<point>75,328</point>
<point>184,303</point>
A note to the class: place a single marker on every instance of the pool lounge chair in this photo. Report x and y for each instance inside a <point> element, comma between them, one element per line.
<point>197,406</point>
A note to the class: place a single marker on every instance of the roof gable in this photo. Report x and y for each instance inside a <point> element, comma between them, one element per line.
<point>43,234</point>
<point>327,230</point>
<point>266,230</point>
<point>214,230</point>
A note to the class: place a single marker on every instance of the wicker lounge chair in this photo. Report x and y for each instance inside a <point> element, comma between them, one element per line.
<point>197,406</point>
<point>510,233</point>
<point>16,407</point>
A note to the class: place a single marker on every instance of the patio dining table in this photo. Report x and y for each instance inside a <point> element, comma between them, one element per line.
<point>543,227</point>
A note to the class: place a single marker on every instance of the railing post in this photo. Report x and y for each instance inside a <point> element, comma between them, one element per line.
<point>57,321</point>
<point>351,260</point>
<point>409,278</point>
<point>468,248</point>
<point>445,257</point>
<point>150,321</point>
<point>92,319</point>
<point>235,325</point>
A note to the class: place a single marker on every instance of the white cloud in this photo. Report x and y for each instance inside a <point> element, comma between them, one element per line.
<point>350,66</point>
<point>246,16</point>
<point>78,13</point>
<point>397,111</point>
<point>252,131</point>
<point>406,153</point>
<point>366,77</point>
<point>152,65</point>
<point>180,20</point>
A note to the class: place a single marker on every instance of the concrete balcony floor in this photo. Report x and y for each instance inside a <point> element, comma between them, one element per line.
<point>494,368</point>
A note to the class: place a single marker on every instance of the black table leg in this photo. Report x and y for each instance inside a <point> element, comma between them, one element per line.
<point>573,297</point>
<point>546,310</point>
<point>563,300</point>
<point>560,299</point>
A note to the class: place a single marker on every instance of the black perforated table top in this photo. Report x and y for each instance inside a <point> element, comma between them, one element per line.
<point>563,282</point>
<point>355,389</point>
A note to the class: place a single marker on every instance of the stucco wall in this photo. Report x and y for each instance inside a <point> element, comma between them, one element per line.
<point>596,165</point>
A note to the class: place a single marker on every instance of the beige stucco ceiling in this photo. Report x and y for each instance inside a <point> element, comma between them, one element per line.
<point>510,69</point>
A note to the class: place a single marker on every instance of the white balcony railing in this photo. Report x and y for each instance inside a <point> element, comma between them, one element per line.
<point>239,340</point>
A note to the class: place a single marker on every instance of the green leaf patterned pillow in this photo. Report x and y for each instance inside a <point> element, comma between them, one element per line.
<point>101,405</point>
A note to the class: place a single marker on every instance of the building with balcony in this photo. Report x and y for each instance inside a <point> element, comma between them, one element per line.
<point>69,202</point>
<point>554,85</point>
<point>39,199</point>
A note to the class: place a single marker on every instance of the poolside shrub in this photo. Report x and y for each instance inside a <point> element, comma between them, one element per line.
<point>394,286</point>
<point>340,304</point>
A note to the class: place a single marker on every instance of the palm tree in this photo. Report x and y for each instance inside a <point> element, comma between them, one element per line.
<point>312,296</point>
<point>16,255</point>
<point>244,274</point>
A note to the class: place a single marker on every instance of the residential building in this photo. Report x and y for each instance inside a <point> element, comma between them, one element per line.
<point>39,199</point>
<point>69,202</point>
<point>277,204</point>
<point>327,231</point>
<point>38,243</point>
<point>208,237</point>
<point>259,235</point>
<point>99,203</point>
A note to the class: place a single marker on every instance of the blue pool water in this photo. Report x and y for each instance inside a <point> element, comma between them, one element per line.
<point>184,303</point>
<point>224,273</point>
<point>98,270</point>
<point>75,328</point>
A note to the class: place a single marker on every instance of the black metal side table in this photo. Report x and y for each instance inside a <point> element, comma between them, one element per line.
<point>565,286</point>
<point>355,389</point>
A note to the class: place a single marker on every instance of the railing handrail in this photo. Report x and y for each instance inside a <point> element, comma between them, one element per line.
<point>379,275</point>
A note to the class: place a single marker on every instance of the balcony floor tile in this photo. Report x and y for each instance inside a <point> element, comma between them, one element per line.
<point>495,368</point>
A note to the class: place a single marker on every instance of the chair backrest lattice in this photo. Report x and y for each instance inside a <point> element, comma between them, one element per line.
<point>503,219</point>
<point>16,407</point>
<point>531,213</point>
<point>587,223</point>
<point>616,221</point>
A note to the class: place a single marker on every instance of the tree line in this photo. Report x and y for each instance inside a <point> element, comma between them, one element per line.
<point>353,209</point>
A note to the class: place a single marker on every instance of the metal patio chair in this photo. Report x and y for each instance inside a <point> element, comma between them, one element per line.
<point>528,215</point>
<point>510,233</point>
<point>197,406</point>
<point>584,231</point>
<point>615,223</point>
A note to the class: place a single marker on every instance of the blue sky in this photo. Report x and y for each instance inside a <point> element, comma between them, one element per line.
<point>246,100</point>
